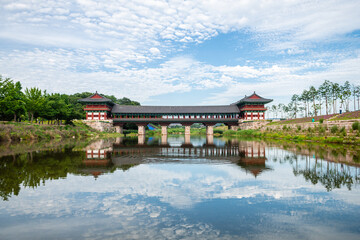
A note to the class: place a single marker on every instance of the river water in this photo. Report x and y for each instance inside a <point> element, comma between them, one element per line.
<point>177,188</point>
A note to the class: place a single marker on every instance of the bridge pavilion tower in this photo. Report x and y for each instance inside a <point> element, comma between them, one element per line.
<point>252,107</point>
<point>97,107</point>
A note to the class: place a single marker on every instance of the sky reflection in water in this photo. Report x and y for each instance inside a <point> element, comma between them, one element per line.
<point>175,188</point>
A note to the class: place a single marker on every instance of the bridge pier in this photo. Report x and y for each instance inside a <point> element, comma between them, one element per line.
<point>163,130</point>
<point>141,129</point>
<point>187,129</point>
<point>119,128</point>
<point>209,129</point>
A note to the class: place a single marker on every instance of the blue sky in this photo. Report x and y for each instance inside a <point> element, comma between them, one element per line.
<point>180,52</point>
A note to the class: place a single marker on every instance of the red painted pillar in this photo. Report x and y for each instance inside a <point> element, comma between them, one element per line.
<point>251,115</point>
<point>86,116</point>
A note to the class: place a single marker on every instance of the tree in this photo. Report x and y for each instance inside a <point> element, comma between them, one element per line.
<point>324,91</point>
<point>345,94</point>
<point>12,102</point>
<point>274,110</point>
<point>295,99</point>
<point>354,90</point>
<point>34,102</point>
<point>335,91</point>
<point>312,93</point>
<point>357,94</point>
<point>56,107</point>
<point>286,109</point>
<point>4,82</point>
<point>280,108</point>
<point>305,99</point>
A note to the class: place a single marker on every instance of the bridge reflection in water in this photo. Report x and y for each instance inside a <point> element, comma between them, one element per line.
<point>125,153</point>
<point>250,156</point>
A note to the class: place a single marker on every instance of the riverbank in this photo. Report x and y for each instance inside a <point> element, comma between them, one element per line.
<point>311,132</point>
<point>319,134</point>
<point>17,131</point>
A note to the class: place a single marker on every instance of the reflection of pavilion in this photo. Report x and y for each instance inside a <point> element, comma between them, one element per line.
<point>125,154</point>
<point>248,155</point>
<point>252,157</point>
<point>97,161</point>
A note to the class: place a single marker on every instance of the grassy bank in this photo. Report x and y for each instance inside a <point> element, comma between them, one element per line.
<point>320,134</point>
<point>17,131</point>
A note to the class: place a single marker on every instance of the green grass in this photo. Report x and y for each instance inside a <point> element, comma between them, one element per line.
<point>14,131</point>
<point>347,116</point>
<point>311,135</point>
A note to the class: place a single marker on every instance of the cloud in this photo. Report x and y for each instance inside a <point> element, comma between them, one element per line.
<point>133,47</point>
<point>66,68</point>
<point>144,24</point>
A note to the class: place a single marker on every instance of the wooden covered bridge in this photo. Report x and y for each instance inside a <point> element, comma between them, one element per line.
<point>250,107</point>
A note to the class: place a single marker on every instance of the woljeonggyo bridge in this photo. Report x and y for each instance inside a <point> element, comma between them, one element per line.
<point>249,108</point>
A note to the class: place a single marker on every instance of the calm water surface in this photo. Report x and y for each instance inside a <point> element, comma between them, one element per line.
<point>178,188</point>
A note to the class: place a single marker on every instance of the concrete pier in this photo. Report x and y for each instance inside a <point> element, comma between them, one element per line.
<point>141,130</point>
<point>209,130</point>
<point>187,129</point>
<point>163,130</point>
<point>119,129</point>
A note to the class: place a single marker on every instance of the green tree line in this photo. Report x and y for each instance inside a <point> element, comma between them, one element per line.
<point>328,98</point>
<point>34,104</point>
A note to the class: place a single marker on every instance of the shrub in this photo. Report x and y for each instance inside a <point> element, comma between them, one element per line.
<point>229,132</point>
<point>321,120</point>
<point>356,158</point>
<point>356,126</point>
<point>298,127</point>
<point>343,129</point>
<point>127,131</point>
<point>219,131</point>
<point>334,129</point>
<point>284,128</point>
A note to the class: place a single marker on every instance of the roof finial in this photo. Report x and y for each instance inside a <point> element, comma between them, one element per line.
<point>254,92</point>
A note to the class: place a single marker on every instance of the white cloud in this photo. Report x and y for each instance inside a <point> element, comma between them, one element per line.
<point>115,24</point>
<point>70,72</point>
<point>84,42</point>
<point>154,51</point>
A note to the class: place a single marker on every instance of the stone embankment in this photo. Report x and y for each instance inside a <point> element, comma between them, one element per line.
<point>340,124</point>
<point>252,125</point>
<point>101,125</point>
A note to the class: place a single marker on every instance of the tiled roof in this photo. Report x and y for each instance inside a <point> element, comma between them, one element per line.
<point>175,109</point>
<point>96,100</point>
<point>254,98</point>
